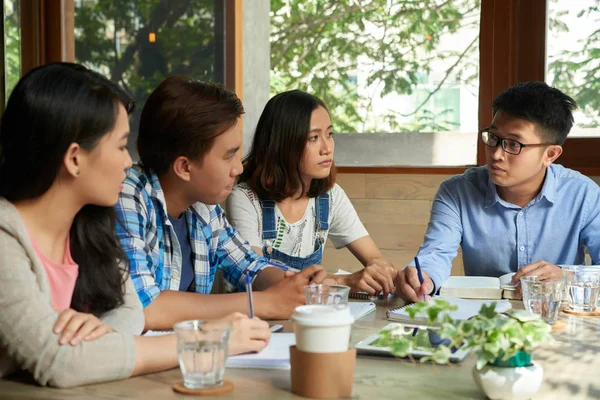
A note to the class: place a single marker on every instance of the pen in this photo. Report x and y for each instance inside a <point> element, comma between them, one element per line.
<point>420,275</point>
<point>249,294</point>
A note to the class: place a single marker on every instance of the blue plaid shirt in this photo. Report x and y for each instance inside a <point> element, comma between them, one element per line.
<point>153,250</point>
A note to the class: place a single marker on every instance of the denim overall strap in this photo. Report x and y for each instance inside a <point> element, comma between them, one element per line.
<point>321,217</point>
<point>268,220</point>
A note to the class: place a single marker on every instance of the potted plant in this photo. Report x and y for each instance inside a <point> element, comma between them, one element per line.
<point>503,344</point>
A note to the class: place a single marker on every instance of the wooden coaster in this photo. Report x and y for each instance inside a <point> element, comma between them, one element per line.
<point>559,325</point>
<point>225,388</point>
<point>583,313</point>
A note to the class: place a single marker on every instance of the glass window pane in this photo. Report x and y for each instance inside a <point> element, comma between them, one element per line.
<point>139,43</point>
<point>386,67</point>
<point>573,59</point>
<point>12,37</point>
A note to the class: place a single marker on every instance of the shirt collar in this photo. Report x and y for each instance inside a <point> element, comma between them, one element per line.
<point>548,190</point>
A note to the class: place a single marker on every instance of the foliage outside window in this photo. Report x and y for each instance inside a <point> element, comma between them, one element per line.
<point>139,43</point>
<point>12,39</point>
<point>381,65</point>
<point>574,56</point>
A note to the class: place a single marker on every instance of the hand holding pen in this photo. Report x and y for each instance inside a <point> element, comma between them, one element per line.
<point>413,284</point>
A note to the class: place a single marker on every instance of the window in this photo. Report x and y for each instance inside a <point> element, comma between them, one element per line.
<point>400,77</point>
<point>573,59</point>
<point>12,41</point>
<point>139,43</point>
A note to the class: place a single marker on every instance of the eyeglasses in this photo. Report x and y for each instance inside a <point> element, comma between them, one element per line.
<point>508,145</point>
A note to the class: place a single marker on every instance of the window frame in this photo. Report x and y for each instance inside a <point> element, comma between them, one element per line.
<point>48,34</point>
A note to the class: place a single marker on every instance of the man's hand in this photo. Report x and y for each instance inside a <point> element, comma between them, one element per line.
<point>543,269</point>
<point>372,279</point>
<point>281,299</point>
<point>74,327</point>
<point>408,286</point>
<point>247,335</point>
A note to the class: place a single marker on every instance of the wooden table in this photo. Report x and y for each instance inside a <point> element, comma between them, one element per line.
<point>571,371</point>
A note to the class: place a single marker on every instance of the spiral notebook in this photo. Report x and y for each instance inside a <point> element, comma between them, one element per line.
<point>466,309</point>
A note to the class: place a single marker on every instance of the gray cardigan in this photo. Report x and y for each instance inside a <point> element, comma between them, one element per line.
<point>27,318</point>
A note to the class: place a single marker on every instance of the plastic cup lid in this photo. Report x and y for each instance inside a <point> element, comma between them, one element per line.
<point>323,315</point>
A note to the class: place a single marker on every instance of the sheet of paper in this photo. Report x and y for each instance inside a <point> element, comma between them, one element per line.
<point>359,309</point>
<point>505,281</point>
<point>342,272</point>
<point>158,333</point>
<point>275,356</point>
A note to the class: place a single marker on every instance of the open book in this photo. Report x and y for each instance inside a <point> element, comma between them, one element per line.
<point>479,287</point>
<point>466,310</point>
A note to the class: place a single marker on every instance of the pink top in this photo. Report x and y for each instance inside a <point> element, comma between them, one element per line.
<point>62,277</point>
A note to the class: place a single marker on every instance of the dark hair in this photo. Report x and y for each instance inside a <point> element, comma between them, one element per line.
<point>50,108</point>
<point>182,117</point>
<point>272,167</point>
<point>539,103</point>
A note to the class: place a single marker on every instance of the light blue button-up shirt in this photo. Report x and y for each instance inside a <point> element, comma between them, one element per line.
<point>498,237</point>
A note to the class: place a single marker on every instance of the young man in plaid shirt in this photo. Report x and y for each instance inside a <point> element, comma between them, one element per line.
<point>173,230</point>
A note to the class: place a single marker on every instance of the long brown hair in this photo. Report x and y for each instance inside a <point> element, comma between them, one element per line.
<point>272,168</point>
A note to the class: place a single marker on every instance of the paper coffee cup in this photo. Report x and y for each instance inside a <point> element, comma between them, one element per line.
<point>322,328</point>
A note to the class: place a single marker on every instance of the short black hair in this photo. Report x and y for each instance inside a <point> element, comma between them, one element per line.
<point>183,117</point>
<point>539,103</point>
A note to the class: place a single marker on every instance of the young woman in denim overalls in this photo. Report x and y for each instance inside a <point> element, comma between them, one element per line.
<point>289,175</point>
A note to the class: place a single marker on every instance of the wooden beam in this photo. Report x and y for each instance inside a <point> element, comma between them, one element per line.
<point>233,47</point>
<point>47,32</point>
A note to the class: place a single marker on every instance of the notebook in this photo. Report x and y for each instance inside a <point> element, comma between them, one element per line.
<point>479,287</point>
<point>466,309</point>
<point>275,356</point>
<point>359,309</point>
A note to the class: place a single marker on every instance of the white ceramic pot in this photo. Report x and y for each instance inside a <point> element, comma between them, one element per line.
<point>509,383</point>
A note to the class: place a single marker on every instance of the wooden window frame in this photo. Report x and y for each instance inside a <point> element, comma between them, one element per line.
<point>48,34</point>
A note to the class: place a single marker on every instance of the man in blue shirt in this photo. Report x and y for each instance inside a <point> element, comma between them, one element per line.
<point>519,213</point>
<point>172,228</point>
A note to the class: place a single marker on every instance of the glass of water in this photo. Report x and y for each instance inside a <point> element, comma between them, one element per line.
<point>326,294</point>
<point>583,285</point>
<point>202,350</point>
<point>542,297</point>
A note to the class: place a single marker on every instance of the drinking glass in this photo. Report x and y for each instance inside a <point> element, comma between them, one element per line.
<point>542,297</point>
<point>326,294</point>
<point>202,350</point>
<point>583,285</point>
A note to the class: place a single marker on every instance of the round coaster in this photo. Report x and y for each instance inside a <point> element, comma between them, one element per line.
<point>225,388</point>
<point>559,325</point>
<point>583,313</point>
